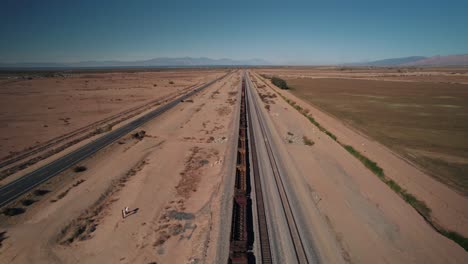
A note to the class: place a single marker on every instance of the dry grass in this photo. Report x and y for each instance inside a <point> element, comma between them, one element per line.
<point>425,122</point>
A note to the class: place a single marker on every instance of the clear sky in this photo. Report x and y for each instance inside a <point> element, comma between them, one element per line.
<point>296,32</point>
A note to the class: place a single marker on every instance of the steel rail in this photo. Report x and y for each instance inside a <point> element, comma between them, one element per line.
<point>292,225</point>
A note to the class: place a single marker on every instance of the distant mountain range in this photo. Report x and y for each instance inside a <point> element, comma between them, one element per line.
<point>156,62</point>
<point>416,61</point>
<point>450,60</point>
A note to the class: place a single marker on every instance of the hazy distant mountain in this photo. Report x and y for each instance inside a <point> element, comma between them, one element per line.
<point>450,60</point>
<point>156,62</point>
<point>389,62</point>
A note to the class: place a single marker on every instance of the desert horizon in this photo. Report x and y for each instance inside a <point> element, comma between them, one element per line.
<point>233,132</point>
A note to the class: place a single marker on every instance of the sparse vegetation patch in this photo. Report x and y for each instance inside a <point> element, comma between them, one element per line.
<point>27,202</point>
<point>80,168</point>
<point>308,141</point>
<point>280,83</point>
<point>13,211</point>
<point>40,192</point>
<point>371,165</point>
<point>459,239</point>
<point>2,237</point>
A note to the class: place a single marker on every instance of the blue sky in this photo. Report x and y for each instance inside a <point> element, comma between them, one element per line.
<point>292,32</point>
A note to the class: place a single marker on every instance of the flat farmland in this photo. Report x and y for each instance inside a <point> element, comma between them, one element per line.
<point>425,122</point>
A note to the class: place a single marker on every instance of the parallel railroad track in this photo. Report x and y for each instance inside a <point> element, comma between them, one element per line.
<point>241,244</point>
<point>296,239</point>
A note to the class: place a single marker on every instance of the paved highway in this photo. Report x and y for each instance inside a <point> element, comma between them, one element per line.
<point>288,242</point>
<point>15,189</point>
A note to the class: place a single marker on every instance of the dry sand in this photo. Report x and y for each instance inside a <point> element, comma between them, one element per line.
<point>37,110</point>
<point>173,176</point>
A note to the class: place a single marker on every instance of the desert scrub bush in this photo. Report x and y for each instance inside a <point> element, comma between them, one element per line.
<point>79,169</point>
<point>40,192</point>
<point>279,83</point>
<point>457,238</point>
<point>27,202</point>
<point>417,204</point>
<point>13,211</point>
<point>171,82</point>
<point>330,134</point>
<point>298,107</point>
<point>372,165</point>
<point>308,141</point>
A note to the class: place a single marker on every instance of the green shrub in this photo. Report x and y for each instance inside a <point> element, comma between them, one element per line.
<point>457,238</point>
<point>330,135</point>
<point>308,141</point>
<point>372,165</point>
<point>280,83</point>
<point>417,204</point>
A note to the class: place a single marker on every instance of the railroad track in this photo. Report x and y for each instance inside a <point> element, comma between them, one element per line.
<point>265,241</point>
<point>298,246</point>
<point>241,240</point>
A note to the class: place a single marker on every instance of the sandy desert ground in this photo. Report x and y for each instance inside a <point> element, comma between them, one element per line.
<point>50,114</point>
<point>172,175</point>
<point>177,178</point>
<point>37,110</point>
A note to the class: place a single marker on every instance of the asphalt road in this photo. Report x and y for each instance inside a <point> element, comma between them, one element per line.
<point>15,189</point>
<point>287,241</point>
